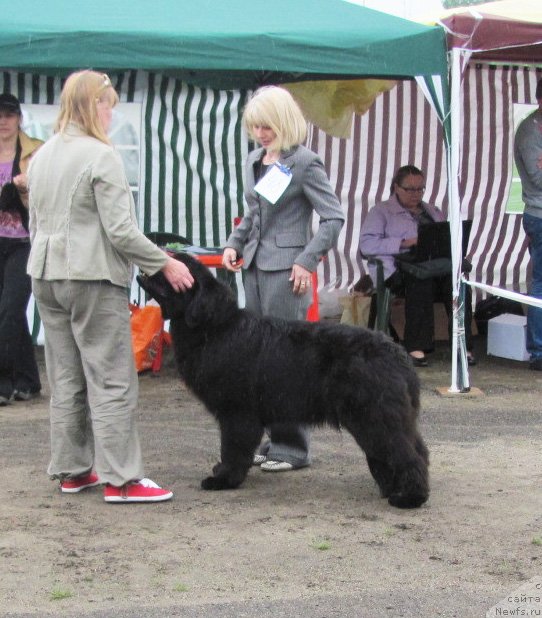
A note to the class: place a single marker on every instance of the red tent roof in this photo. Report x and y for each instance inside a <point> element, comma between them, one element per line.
<point>495,37</point>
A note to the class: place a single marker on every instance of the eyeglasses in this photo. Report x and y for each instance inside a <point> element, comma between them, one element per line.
<point>413,189</point>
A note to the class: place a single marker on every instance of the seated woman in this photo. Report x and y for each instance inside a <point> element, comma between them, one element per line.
<point>391,227</point>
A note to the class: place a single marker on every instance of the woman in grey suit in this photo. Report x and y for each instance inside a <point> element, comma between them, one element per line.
<point>284,184</point>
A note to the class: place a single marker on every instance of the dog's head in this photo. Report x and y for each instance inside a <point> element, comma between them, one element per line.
<point>207,302</point>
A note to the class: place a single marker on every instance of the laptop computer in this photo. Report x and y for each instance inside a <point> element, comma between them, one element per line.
<point>434,242</point>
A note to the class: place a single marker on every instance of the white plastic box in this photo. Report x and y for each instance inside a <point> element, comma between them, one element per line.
<point>507,337</point>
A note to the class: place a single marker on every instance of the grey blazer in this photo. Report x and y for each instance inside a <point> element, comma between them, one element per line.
<point>275,236</point>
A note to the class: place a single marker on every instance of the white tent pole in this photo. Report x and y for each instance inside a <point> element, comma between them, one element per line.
<point>454,217</point>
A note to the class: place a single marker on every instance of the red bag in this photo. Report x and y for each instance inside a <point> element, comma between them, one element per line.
<point>148,336</point>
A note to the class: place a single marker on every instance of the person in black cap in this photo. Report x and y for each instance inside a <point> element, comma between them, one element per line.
<point>19,376</point>
<point>528,157</point>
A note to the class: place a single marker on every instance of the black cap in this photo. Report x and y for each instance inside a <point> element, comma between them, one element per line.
<point>10,103</point>
<point>539,90</point>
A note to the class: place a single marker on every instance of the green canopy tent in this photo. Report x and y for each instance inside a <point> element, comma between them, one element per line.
<point>220,44</point>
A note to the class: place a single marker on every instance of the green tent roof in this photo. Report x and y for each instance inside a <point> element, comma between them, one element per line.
<point>235,41</point>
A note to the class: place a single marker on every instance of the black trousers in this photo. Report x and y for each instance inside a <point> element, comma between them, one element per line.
<point>420,295</point>
<point>18,367</point>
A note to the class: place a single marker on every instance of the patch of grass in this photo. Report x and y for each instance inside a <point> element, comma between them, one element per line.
<point>537,540</point>
<point>180,588</point>
<point>322,545</point>
<point>57,594</point>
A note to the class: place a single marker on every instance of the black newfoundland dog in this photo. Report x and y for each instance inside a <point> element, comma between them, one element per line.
<point>251,372</point>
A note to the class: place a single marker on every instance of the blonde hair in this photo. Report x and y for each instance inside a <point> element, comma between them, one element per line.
<point>274,107</point>
<point>81,91</point>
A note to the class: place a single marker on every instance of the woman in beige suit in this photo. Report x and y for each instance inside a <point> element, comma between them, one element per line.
<point>275,238</point>
<point>84,238</point>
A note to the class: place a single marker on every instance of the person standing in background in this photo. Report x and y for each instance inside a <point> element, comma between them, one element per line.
<point>84,238</point>
<point>19,375</point>
<point>285,183</point>
<point>528,157</point>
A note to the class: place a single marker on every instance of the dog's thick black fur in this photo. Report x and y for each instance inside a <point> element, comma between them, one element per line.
<point>251,372</point>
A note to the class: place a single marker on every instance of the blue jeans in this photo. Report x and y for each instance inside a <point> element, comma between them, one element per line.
<point>533,229</point>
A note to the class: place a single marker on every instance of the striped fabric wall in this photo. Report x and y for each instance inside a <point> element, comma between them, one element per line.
<point>401,128</point>
<point>498,246</point>
<point>193,149</point>
<point>193,153</point>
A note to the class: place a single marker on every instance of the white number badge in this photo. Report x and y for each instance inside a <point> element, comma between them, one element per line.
<point>274,183</point>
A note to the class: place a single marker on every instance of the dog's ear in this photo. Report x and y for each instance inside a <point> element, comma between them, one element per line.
<point>212,303</point>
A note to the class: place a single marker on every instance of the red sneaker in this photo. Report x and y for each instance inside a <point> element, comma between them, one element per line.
<point>77,484</point>
<point>144,490</point>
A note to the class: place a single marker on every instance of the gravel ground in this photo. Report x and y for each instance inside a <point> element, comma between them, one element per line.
<point>314,542</point>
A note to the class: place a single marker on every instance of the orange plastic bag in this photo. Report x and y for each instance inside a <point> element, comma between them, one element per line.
<point>148,335</point>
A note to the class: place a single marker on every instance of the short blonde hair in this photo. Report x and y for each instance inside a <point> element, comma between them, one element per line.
<point>81,91</point>
<point>274,107</point>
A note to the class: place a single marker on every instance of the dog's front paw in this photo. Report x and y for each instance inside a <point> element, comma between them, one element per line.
<point>215,483</point>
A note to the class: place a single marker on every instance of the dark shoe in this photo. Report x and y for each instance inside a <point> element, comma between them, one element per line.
<point>419,362</point>
<point>471,359</point>
<point>536,364</point>
<point>5,400</point>
<point>25,395</point>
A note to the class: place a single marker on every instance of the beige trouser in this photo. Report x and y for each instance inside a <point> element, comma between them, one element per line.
<point>92,377</point>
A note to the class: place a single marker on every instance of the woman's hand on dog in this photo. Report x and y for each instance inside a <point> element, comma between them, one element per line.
<point>230,261</point>
<point>178,275</point>
<point>301,278</point>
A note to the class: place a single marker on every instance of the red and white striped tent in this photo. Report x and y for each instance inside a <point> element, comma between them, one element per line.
<point>495,55</point>
<point>504,32</point>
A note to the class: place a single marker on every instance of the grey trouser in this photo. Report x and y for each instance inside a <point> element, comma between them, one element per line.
<point>269,293</point>
<point>92,377</point>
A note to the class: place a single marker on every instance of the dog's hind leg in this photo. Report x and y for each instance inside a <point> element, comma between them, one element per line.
<point>239,441</point>
<point>411,484</point>
<point>397,461</point>
<point>383,474</point>
<point>380,468</point>
<point>421,449</point>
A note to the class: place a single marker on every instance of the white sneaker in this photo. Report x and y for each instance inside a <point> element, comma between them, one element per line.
<point>259,460</point>
<point>276,466</point>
